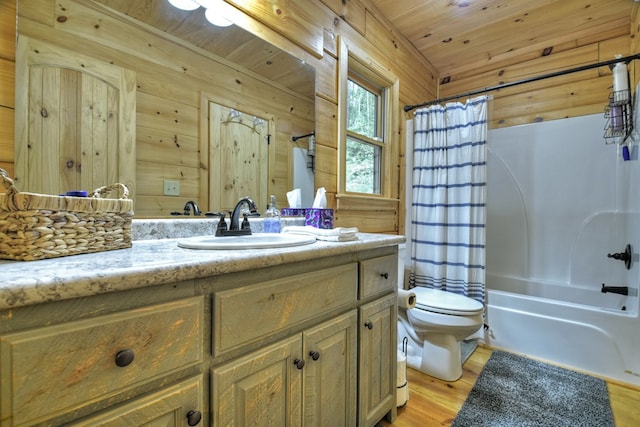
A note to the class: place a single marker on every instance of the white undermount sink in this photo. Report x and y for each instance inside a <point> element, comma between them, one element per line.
<point>253,241</point>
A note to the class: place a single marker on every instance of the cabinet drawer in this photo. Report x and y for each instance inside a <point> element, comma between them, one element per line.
<point>245,314</point>
<point>378,275</point>
<point>54,369</point>
<point>170,406</point>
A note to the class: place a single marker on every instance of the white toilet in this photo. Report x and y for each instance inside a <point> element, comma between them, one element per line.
<point>435,328</point>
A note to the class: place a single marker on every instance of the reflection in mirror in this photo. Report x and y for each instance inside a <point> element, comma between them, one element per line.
<point>238,153</point>
<point>181,63</point>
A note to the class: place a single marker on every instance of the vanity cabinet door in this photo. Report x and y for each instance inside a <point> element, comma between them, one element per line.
<point>377,360</point>
<point>263,388</point>
<point>330,372</point>
<point>178,405</point>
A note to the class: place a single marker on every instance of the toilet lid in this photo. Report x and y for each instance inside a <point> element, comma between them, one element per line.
<point>446,302</point>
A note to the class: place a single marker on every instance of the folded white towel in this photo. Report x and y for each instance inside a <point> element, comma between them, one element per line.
<point>339,234</point>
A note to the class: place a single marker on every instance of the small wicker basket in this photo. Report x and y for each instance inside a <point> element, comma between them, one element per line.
<point>37,226</point>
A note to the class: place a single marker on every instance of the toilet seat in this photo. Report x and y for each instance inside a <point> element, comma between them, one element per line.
<point>444,302</point>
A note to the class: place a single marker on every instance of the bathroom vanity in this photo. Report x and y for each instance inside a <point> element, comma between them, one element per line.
<point>162,334</point>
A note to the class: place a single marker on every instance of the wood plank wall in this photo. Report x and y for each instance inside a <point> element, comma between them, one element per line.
<point>7,82</point>
<point>361,26</point>
<point>571,95</point>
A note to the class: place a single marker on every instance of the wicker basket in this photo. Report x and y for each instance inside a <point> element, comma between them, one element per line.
<point>36,226</point>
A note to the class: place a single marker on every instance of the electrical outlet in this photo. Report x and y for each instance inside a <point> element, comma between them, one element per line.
<point>171,188</point>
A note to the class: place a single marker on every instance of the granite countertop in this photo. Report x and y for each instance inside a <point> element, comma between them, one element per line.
<point>152,262</point>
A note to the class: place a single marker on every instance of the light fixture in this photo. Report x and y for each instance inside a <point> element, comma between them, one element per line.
<point>215,19</point>
<point>184,4</point>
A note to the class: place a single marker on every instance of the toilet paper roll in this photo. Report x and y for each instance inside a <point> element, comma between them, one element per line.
<point>401,372</point>
<point>402,393</point>
<point>406,299</point>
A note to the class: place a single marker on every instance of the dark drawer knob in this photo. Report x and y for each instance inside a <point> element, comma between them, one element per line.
<point>369,325</point>
<point>194,417</point>
<point>315,355</point>
<point>299,363</point>
<point>385,275</point>
<point>124,358</point>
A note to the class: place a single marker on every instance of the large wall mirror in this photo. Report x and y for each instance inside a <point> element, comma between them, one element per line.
<point>184,69</point>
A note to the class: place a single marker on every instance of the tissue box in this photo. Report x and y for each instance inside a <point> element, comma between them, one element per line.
<point>319,218</point>
<point>293,211</point>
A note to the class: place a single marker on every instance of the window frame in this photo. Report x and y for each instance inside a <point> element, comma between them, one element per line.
<point>378,78</point>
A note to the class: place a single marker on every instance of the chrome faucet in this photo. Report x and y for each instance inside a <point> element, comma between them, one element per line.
<point>189,205</point>
<point>235,216</point>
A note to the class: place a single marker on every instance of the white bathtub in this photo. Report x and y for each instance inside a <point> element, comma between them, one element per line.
<point>564,324</point>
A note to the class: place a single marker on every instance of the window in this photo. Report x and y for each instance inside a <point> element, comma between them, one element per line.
<point>368,99</point>
<point>364,137</point>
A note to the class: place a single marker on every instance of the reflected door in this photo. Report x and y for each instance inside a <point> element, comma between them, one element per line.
<point>238,157</point>
<point>75,121</point>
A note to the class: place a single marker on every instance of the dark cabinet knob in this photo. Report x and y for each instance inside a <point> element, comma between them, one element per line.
<point>299,363</point>
<point>315,355</point>
<point>369,325</point>
<point>385,275</point>
<point>124,358</point>
<point>194,417</point>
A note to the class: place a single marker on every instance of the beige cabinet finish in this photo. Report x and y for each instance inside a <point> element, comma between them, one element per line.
<point>259,388</point>
<point>330,372</point>
<point>54,369</point>
<point>169,407</point>
<point>308,379</point>
<point>284,345</point>
<point>377,358</point>
<point>250,312</point>
<point>378,275</point>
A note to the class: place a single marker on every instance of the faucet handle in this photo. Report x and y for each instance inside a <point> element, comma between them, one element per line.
<point>245,222</point>
<point>222,224</point>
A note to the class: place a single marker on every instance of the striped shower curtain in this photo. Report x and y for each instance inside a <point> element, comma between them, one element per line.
<point>447,236</point>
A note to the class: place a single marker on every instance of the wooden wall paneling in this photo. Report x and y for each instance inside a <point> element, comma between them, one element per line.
<point>327,79</point>
<point>326,123</point>
<point>541,65</point>
<point>326,169</point>
<point>151,48</point>
<point>161,146</point>
<point>295,20</point>
<point>635,43</point>
<point>154,173</point>
<point>375,215</point>
<point>351,11</point>
<point>7,77</point>
<point>164,114</point>
<point>568,41</point>
<point>554,102</point>
<point>6,137</point>
<point>7,84</point>
<point>330,43</point>
<point>8,30</point>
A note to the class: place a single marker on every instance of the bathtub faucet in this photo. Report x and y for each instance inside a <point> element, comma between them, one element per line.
<point>622,290</point>
<point>625,256</point>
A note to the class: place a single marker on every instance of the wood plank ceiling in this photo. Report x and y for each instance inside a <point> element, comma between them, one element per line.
<point>458,36</point>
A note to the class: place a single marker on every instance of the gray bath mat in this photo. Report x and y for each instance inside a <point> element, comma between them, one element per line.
<point>516,391</point>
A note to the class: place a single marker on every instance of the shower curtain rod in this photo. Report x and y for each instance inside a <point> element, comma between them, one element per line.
<point>625,59</point>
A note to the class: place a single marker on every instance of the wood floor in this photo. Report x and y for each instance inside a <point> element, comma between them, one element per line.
<point>433,402</point>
